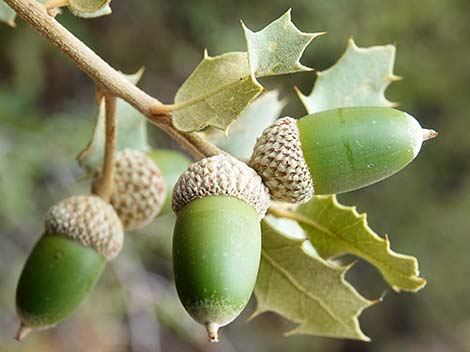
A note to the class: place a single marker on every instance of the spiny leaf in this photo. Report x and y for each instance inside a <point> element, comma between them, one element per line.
<point>251,123</point>
<point>359,78</point>
<point>87,6</point>
<point>7,15</point>
<point>216,93</point>
<point>277,48</point>
<point>84,14</point>
<point>335,229</point>
<point>221,87</point>
<point>131,127</point>
<point>306,289</point>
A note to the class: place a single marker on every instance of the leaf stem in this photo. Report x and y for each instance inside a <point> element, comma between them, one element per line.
<point>166,108</point>
<point>104,185</point>
<point>106,77</point>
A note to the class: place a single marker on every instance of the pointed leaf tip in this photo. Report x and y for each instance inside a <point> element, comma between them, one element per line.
<point>335,229</point>
<point>359,78</point>
<point>277,48</point>
<point>306,289</point>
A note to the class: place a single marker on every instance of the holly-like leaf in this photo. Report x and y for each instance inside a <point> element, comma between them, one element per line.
<point>221,87</point>
<point>84,14</point>
<point>306,289</point>
<point>216,93</point>
<point>277,48</point>
<point>251,123</point>
<point>359,78</point>
<point>87,6</point>
<point>7,15</point>
<point>131,127</point>
<point>335,229</point>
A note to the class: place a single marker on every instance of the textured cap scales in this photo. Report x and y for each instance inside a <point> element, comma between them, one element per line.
<point>90,221</point>
<point>221,175</point>
<point>279,160</point>
<point>139,189</point>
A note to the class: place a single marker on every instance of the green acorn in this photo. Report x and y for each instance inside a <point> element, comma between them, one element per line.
<point>139,188</point>
<point>172,164</point>
<point>219,202</point>
<point>81,233</point>
<point>335,151</point>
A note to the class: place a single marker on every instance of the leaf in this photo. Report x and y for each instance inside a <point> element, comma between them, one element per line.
<point>102,12</point>
<point>335,229</point>
<point>277,48</point>
<point>359,78</point>
<point>87,6</point>
<point>7,14</point>
<point>249,126</point>
<point>221,87</point>
<point>131,127</point>
<point>306,289</point>
<point>216,93</point>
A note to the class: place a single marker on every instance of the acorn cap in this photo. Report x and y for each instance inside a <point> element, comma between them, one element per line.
<point>89,220</point>
<point>221,175</point>
<point>139,189</point>
<point>279,160</point>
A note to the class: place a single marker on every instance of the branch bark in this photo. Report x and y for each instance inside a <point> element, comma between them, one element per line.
<point>106,77</point>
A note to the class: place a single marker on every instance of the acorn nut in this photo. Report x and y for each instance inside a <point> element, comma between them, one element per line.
<point>219,202</point>
<point>335,151</point>
<point>81,233</point>
<point>138,189</point>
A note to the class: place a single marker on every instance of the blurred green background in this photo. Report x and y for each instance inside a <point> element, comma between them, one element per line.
<point>46,115</point>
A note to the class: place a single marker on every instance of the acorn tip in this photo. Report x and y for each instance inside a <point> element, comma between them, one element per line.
<point>429,134</point>
<point>213,332</point>
<point>22,332</point>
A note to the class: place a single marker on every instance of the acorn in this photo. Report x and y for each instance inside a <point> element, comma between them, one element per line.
<point>335,151</point>
<point>219,202</point>
<point>172,164</point>
<point>138,188</point>
<point>81,233</point>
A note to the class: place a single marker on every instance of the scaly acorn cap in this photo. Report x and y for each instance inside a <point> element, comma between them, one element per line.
<point>89,220</point>
<point>221,175</point>
<point>279,160</point>
<point>139,189</point>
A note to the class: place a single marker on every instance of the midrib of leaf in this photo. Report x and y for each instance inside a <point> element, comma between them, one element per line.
<point>287,275</point>
<point>204,97</point>
<point>317,226</point>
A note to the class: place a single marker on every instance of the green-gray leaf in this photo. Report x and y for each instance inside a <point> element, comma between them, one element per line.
<point>87,6</point>
<point>251,123</point>
<point>84,14</point>
<point>359,78</point>
<point>306,289</point>
<point>216,93</point>
<point>131,127</point>
<point>7,15</point>
<point>335,229</point>
<point>277,48</point>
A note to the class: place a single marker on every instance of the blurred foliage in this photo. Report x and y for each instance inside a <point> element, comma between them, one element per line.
<point>46,118</point>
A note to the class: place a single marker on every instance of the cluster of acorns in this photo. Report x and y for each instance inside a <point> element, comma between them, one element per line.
<point>219,202</point>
